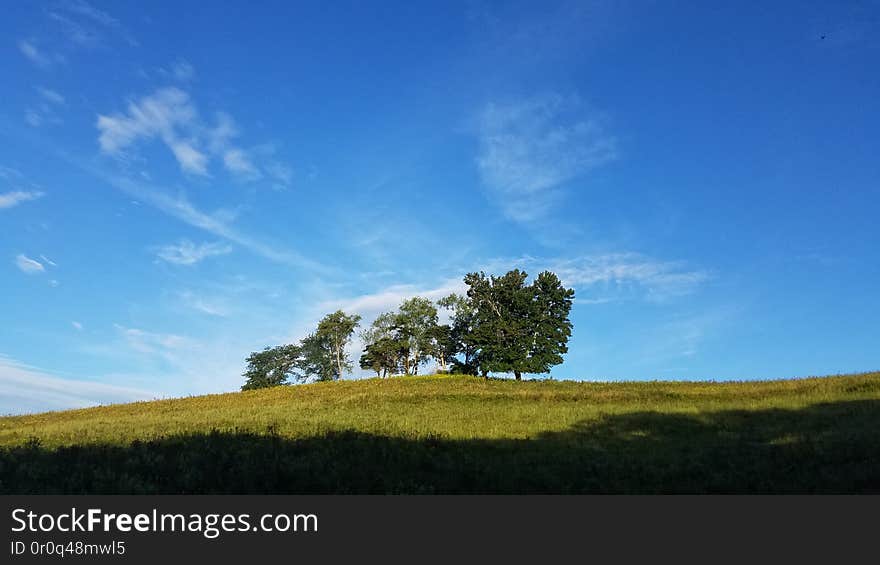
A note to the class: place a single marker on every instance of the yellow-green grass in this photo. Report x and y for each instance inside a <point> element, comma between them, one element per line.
<point>463,434</point>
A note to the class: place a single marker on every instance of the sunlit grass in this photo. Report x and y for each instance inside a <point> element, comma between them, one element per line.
<point>575,435</point>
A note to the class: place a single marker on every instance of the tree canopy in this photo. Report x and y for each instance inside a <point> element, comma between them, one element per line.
<point>335,330</point>
<point>519,328</point>
<point>272,366</point>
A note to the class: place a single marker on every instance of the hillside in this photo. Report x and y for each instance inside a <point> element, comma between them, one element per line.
<point>463,435</point>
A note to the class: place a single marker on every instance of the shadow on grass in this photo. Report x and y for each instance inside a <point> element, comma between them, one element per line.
<point>829,448</point>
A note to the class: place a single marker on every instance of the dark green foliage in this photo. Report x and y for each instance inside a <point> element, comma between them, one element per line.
<point>383,356</point>
<point>406,339</point>
<point>461,333</point>
<point>442,346</point>
<point>518,328</point>
<point>335,331</point>
<point>271,367</point>
<point>501,331</point>
<point>415,325</point>
<point>549,325</point>
<point>384,351</point>
<point>317,361</point>
<point>320,356</point>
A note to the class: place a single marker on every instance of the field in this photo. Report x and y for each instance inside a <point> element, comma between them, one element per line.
<point>463,435</point>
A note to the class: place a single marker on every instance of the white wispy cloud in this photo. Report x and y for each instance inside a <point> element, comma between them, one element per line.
<point>281,173</point>
<point>76,325</point>
<point>8,173</point>
<point>682,336</point>
<point>180,70</point>
<point>598,278</point>
<point>191,159</point>
<point>183,70</point>
<point>25,389</point>
<point>185,252</point>
<point>27,265</point>
<point>238,162</point>
<point>34,54</point>
<point>368,305</point>
<point>51,96</point>
<point>16,197</point>
<point>201,304</point>
<point>33,118</point>
<point>217,223</point>
<point>45,110</point>
<point>85,25</point>
<point>77,33</point>
<point>162,114</point>
<point>170,115</point>
<point>153,342</point>
<point>531,149</point>
<point>607,277</point>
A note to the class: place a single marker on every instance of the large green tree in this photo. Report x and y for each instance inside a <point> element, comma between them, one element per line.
<point>519,328</point>
<point>414,325</point>
<point>336,329</point>
<point>383,356</point>
<point>549,322</point>
<point>273,366</point>
<point>461,332</point>
<point>317,361</point>
<point>383,350</point>
<point>502,317</point>
<point>442,346</point>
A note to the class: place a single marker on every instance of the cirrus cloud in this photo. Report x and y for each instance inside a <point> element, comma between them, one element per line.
<point>16,197</point>
<point>170,115</point>
<point>27,265</point>
<point>185,252</point>
<point>531,149</point>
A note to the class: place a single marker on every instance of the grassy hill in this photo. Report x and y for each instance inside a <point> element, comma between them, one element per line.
<point>463,435</point>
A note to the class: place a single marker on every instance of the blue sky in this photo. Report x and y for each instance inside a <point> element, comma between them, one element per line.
<point>182,184</point>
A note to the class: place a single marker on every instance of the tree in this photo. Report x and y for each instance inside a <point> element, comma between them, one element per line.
<point>461,332</point>
<point>272,366</point>
<point>442,346</point>
<point>383,356</point>
<point>316,359</point>
<point>337,329</point>
<point>549,322</point>
<point>501,333</point>
<point>414,324</point>
<point>383,351</point>
<point>519,328</point>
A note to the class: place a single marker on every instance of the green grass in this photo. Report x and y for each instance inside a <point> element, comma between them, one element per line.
<point>463,435</point>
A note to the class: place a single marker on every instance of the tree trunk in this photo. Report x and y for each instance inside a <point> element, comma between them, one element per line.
<point>336,349</point>
<point>518,375</point>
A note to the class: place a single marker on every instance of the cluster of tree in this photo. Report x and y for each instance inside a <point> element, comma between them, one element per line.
<point>320,356</point>
<point>501,325</point>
